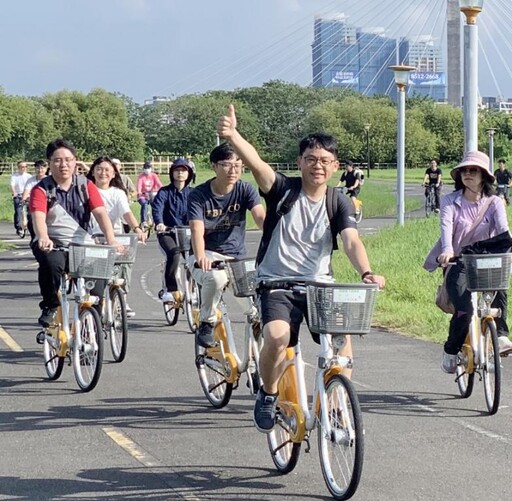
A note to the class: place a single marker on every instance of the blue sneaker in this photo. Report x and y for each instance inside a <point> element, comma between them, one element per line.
<point>205,335</point>
<point>265,411</point>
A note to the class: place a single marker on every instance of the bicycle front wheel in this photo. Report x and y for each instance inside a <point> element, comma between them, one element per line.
<point>53,364</point>
<point>212,378</point>
<point>465,370</point>
<point>191,302</point>
<point>119,328</point>
<point>341,445</point>
<point>428,206</point>
<point>88,359</point>
<point>358,216</point>
<point>491,368</point>
<point>171,312</point>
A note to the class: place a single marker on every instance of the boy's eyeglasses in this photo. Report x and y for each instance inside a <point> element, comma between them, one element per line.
<point>324,162</point>
<point>230,165</point>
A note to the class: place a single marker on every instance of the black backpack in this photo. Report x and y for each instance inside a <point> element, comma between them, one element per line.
<point>283,207</point>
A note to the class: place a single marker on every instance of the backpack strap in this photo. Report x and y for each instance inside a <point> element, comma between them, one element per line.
<point>272,218</point>
<point>50,187</point>
<point>81,182</point>
<point>331,201</point>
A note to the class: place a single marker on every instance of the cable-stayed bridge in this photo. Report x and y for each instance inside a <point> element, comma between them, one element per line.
<point>290,56</point>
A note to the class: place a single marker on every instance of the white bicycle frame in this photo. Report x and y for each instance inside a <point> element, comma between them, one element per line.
<point>481,309</point>
<point>326,359</point>
<point>250,344</point>
<point>80,293</point>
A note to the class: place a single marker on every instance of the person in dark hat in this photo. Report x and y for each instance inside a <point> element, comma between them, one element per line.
<point>169,210</point>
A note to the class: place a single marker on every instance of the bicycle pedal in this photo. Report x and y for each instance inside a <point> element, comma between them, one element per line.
<point>40,337</point>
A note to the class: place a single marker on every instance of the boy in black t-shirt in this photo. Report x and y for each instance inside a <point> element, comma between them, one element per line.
<point>503,178</point>
<point>433,176</point>
<point>217,210</point>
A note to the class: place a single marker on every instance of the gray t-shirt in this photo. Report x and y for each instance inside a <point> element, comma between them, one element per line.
<point>301,244</point>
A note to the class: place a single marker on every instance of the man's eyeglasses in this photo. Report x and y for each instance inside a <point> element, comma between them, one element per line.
<point>470,170</point>
<point>324,162</point>
<point>230,165</point>
<point>60,161</point>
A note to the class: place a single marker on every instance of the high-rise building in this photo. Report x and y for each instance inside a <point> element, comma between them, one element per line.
<point>376,53</point>
<point>355,58</point>
<point>335,53</point>
<point>425,55</point>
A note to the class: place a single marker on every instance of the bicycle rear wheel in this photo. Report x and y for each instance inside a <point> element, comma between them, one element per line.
<point>283,451</point>
<point>341,447</point>
<point>119,328</point>
<point>53,364</point>
<point>465,370</point>
<point>88,359</point>
<point>491,367</point>
<point>212,378</point>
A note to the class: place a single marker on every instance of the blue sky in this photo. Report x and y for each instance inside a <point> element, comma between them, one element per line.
<point>170,47</point>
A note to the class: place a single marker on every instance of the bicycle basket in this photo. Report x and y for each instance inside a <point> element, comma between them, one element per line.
<point>91,261</point>
<point>130,247</point>
<point>340,308</point>
<point>487,272</point>
<point>182,237</point>
<point>242,276</point>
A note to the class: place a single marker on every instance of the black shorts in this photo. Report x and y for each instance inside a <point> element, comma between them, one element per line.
<point>354,192</point>
<point>289,306</point>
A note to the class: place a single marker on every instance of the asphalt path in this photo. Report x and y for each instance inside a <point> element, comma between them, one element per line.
<point>147,432</point>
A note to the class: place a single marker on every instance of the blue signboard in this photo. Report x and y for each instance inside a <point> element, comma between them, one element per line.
<point>427,78</point>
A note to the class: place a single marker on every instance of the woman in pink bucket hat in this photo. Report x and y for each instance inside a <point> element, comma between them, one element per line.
<point>472,201</point>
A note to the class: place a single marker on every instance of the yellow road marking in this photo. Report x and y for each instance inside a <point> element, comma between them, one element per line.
<point>144,457</point>
<point>9,341</point>
<point>132,448</point>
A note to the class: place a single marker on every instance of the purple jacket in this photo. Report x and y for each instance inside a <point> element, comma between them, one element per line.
<point>457,216</point>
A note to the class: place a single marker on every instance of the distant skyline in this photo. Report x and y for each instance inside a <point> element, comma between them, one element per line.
<point>144,48</point>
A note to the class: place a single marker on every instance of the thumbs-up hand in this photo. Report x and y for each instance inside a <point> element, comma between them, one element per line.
<point>226,125</point>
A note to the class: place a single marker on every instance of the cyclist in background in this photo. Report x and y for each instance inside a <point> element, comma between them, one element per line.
<point>129,188</point>
<point>503,178</point>
<point>148,183</point>
<point>18,181</point>
<point>217,212</point>
<point>40,167</point>
<point>352,180</point>
<point>299,247</point>
<point>433,176</point>
<point>169,210</point>
<point>104,174</point>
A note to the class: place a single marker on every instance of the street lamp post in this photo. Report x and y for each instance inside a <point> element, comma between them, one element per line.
<point>490,134</point>
<point>367,130</point>
<point>471,9</point>
<point>401,79</point>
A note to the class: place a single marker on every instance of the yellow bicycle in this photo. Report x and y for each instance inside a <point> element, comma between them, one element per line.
<point>480,354</point>
<point>220,367</point>
<point>77,335</point>
<point>334,312</point>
